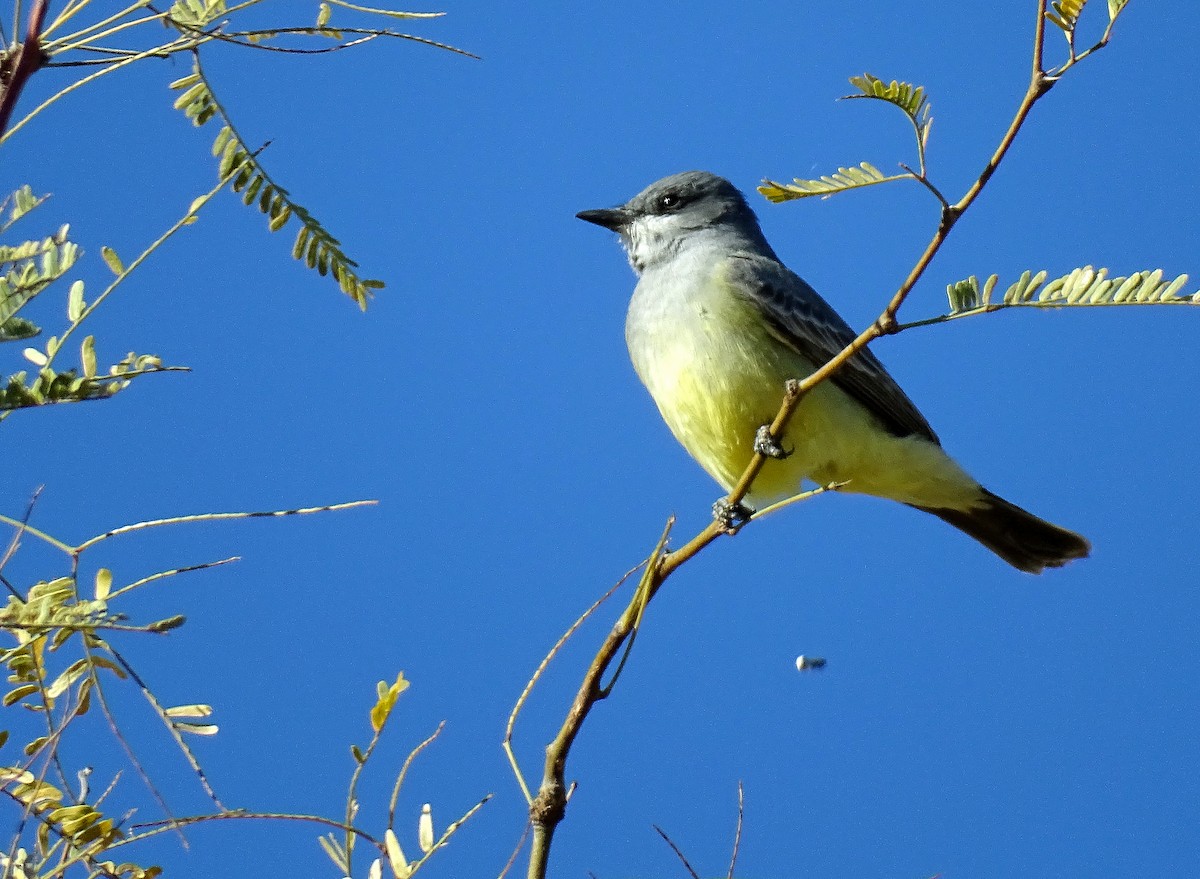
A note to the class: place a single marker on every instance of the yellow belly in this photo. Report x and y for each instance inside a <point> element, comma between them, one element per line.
<point>717,375</point>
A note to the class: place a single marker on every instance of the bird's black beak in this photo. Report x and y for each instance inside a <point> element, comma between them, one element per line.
<point>610,218</point>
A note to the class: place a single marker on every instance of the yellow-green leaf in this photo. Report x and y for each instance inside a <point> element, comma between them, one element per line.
<point>280,219</point>
<point>87,357</point>
<point>63,682</point>
<point>112,260</point>
<point>387,700</point>
<point>18,693</point>
<point>104,575</point>
<point>396,859</point>
<point>198,729</point>
<point>75,303</point>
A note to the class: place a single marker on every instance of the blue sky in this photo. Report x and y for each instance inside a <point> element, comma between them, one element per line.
<point>973,721</point>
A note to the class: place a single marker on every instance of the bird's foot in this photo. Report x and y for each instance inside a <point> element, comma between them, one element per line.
<point>731,517</point>
<point>765,444</point>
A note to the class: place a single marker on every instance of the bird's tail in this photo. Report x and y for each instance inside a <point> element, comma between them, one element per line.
<point>1016,535</point>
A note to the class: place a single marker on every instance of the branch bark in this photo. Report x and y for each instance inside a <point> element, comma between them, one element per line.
<point>21,62</point>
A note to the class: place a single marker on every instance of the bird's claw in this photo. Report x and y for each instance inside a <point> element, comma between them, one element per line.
<point>765,444</point>
<point>731,517</point>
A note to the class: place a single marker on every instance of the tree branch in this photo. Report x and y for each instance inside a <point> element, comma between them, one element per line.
<point>549,806</point>
<point>15,70</point>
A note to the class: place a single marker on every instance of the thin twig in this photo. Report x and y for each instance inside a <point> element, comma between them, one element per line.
<point>404,772</point>
<point>512,859</point>
<point>203,566</point>
<point>546,660</point>
<point>115,728</point>
<point>16,538</point>
<point>179,44</point>
<point>737,834</point>
<point>126,271</point>
<point>157,827</point>
<point>172,729</point>
<point>675,849</point>
<point>213,517</point>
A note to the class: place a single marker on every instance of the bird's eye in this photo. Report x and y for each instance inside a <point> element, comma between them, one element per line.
<point>669,201</point>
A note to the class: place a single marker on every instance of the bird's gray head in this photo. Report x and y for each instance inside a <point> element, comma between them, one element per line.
<point>678,211</point>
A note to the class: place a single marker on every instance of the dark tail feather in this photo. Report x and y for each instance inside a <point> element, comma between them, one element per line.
<point>1017,536</point>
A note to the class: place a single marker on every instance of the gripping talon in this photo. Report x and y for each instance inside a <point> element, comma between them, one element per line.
<point>731,517</point>
<point>765,444</point>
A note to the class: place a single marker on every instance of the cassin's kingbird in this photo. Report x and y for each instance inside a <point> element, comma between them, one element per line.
<point>718,324</point>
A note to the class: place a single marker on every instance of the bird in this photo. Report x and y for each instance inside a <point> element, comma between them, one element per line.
<point>717,325</point>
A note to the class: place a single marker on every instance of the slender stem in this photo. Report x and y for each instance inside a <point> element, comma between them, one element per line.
<point>157,827</point>
<point>176,46</point>
<point>26,528</point>
<point>412,755</point>
<point>185,220</point>
<point>540,670</point>
<point>70,12</point>
<point>1039,41</point>
<point>212,517</point>
<point>161,575</point>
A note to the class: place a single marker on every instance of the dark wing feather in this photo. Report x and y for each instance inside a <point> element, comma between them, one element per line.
<point>799,317</point>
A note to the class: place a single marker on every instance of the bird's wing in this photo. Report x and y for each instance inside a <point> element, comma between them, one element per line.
<point>799,317</point>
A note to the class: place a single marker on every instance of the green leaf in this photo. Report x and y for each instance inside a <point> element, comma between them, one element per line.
<point>197,92</point>
<point>324,13</point>
<point>197,729</point>
<point>104,580</point>
<point>23,201</point>
<point>223,137</point>
<point>168,624</point>
<point>104,662</point>
<point>87,359</point>
<point>75,303</point>
<point>185,81</point>
<point>318,248</point>
<point>189,711</point>
<point>911,99</point>
<point>112,260</point>
<point>357,754</point>
<point>278,221</point>
<point>334,850</point>
<point>396,859</point>
<point>844,180</point>
<point>63,682</point>
<point>1086,286</point>
<point>18,391</point>
<point>17,328</point>
<point>16,694</point>
<point>1115,8</point>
